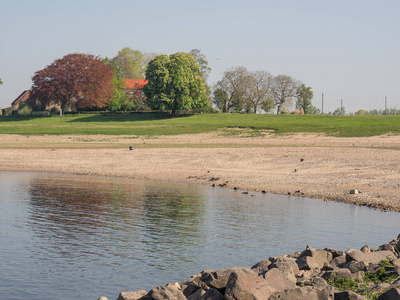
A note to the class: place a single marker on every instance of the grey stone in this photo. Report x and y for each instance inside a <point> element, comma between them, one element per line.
<point>169,292</point>
<point>335,253</point>
<point>261,267</point>
<point>126,295</point>
<point>348,295</point>
<point>365,249</point>
<point>339,260</point>
<point>372,257</point>
<point>303,293</point>
<point>247,286</point>
<point>387,247</point>
<point>278,280</point>
<point>206,294</point>
<point>311,258</point>
<point>355,266</point>
<point>287,265</point>
<point>392,294</point>
<point>102,298</point>
<point>192,285</point>
<point>218,279</point>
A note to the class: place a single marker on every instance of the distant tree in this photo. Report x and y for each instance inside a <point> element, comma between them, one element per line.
<point>361,112</point>
<point>175,83</point>
<point>201,62</point>
<point>257,90</point>
<point>205,70</point>
<point>1,82</point>
<point>80,79</point>
<point>234,82</point>
<point>283,88</point>
<point>130,63</point>
<point>220,99</point>
<point>304,96</point>
<point>314,110</point>
<point>340,111</point>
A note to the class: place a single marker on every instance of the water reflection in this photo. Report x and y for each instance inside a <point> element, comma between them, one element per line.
<point>82,237</point>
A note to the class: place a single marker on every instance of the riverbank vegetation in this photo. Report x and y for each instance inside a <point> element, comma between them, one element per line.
<point>153,124</point>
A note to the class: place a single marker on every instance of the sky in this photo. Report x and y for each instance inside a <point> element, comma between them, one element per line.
<point>347,50</point>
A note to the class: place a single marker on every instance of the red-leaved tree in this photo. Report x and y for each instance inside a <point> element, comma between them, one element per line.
<point>80,79</point>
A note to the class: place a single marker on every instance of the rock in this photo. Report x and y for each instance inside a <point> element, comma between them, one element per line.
<point>169,292</point>
<point>278,280</point>
<point>392,270</point>
<point>190,286</point>
<point>102,298</point>
<point>126,295</point>
<point>261,267</point>
<point>372,257</point>
<point>287,266</point>
<point>218,279</point>
<point>365,249</point>
<point>392,294</point>
<point>355,266</point>
<point>335,253</point>
<point>353,192</point>
<point>339,274</point>
<point>387,247</point>
<point>339,260</point>
<point>303,293</point>
<point>311,258</point>
<point>348,295</point>
<point>206,294</point>
<point>243,285</point>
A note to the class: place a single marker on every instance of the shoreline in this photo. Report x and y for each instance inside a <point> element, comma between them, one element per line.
<point>311,166</point>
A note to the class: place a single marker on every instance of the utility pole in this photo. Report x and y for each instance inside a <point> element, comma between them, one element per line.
<point>385,104</point>
<point>322,103</point>
<point>341,107</point>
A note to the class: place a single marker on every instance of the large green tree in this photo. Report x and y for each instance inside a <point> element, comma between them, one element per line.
<point>304,96</point>
<point>1,82</point>
<point>130,63</point>
<point>175,83</point>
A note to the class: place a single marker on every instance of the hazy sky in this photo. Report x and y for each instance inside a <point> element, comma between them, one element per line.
<point>347,50</point>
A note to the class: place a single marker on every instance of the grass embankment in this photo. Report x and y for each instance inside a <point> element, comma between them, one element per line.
<point>162,124</point>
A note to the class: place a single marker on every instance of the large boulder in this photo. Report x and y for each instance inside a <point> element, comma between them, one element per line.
<point>288,266</point>
<point>126,295</point>
<point>206,294</point>
<point>190,286</point>
<point>278,280</point>
<point>261,267</point>
<point>243,285</point>
<point>303,293</point>
<point>312,259</point>
<point>371,257</point>
<point>218,279</point>
<point>348,295</point>
<point>392,294</point>
<point>169,292</point>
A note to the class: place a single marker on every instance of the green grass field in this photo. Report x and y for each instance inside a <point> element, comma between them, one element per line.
<point>162,124</point>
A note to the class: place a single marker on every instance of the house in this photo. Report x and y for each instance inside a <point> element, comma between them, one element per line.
<point>26,98</point>
<point>134,87</point>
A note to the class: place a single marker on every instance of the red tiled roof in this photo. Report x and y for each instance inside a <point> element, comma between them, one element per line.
<point>136,84</point>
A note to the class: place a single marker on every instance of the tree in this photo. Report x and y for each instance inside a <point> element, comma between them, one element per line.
<point>234,82</point>
<point>304,95</point>
<point>220,99</point>
<point>1,82</point>
<point>257,90</point>
<point>131,63</point>
<point>80,79</point>
<point>283,88</point>
<point>175,83</point>
<point>201,62</point>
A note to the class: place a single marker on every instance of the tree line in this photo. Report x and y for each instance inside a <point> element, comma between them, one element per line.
<point>176,82</point>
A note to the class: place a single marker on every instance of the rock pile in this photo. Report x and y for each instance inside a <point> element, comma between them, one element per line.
<point>310,274</point>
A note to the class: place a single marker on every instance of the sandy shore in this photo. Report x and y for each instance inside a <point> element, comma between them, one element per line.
<point>305,165</point>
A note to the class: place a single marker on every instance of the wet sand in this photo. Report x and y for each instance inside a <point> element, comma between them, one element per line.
<point>314,166</point>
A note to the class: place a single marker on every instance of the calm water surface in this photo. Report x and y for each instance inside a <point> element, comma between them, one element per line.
<point>77,237</point>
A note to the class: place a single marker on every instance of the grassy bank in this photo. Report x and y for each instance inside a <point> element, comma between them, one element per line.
<point>161,124</point>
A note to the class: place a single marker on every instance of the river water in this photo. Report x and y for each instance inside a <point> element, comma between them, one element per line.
<point>81,237</point>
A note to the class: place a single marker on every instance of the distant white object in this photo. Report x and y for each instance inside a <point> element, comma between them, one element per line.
<point>353,192</point>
